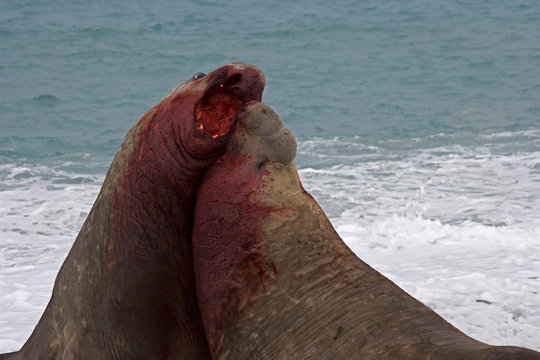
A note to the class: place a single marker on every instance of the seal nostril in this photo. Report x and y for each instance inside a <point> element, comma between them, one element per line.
<point>234,79</point>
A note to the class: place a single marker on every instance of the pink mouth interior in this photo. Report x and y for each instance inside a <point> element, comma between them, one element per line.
<point>216,112</point>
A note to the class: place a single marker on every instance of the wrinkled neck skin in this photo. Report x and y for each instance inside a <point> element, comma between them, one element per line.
<point>275,281</point>
<point>127,282</point>
<point>126,289</point>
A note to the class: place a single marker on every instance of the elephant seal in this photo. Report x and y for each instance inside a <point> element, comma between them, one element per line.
<point>275,281</point>
<point>125,290</point>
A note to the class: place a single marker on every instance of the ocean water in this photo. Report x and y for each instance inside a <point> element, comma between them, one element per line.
<point>418,127</point>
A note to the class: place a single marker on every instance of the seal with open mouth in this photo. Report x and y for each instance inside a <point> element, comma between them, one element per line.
<point>275,281</point>
<point>125,290</point>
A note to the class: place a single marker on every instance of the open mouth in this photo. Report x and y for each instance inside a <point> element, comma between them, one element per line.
<point>231,87</point>
<point>217,110</point>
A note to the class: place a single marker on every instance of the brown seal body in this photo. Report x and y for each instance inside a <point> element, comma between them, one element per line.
<point>125,290</point>
<point>275,281</point>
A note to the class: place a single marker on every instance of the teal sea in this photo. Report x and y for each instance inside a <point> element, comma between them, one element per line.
<point>418,128</point>
<point>76,75</point>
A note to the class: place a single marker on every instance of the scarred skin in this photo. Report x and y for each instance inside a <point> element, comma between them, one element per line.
<point>126,289</point>
<point>275,281</point>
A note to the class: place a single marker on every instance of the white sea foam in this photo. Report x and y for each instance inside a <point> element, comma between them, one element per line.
<point>41,211</point>
<point>483,279</point>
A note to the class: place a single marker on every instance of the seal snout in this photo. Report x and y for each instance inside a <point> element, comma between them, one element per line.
<point>269,140</point>
<point>249,81</point>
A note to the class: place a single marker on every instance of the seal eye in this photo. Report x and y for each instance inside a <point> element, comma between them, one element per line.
<point>198,76</point>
